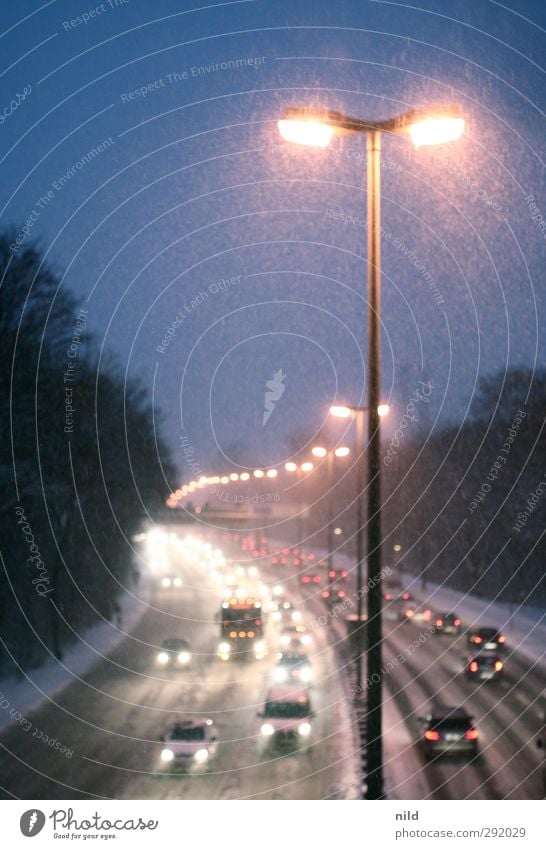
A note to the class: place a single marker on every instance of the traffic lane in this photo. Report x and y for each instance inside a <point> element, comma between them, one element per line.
<point>507,732</point>
<point>114,732</point>
<point>101,712</point>
<point>243,769</point>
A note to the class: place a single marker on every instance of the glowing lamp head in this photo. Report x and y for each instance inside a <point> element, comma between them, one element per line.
<point>306,132</point>
<point>318,451</point>
<point>340,412</point>
<point>342,451</point>
<point>306,467</point>
<point>383,409</point>
<point>436,129</point>
<point>291,467</point>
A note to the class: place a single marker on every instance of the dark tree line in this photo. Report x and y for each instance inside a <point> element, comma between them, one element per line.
<point>82,463</point>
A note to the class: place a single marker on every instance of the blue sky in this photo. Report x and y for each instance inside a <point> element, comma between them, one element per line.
<point>186,184</point>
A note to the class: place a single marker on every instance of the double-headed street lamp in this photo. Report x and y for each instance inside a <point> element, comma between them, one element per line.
<point>317,128</point>
<point>330,454</point>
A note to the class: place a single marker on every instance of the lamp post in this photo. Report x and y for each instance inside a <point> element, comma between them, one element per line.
<point>358,414</point>
<point>330,454</point>
<point>316,128</point>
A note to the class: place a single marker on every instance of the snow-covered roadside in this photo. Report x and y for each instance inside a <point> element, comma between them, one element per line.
<point>19,697</point>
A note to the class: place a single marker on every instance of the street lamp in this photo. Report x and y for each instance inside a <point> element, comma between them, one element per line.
<point>317,127</point>
<point>330,454</point>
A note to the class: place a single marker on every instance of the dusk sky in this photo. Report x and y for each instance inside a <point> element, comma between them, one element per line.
<point>192,205</point>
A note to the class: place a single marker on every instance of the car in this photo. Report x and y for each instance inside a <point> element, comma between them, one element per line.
<point>448,731</point>
<point>484,666</point>
<point>398,596</point>
<point>292,667</point>
<point>287,716</point>
<point>447,623</point>
<point>487,638</point>
<point>418,614</point>
<point>188,743</point>
<point>170,582</point>
<point>295,637</point>
<point>174,653</point>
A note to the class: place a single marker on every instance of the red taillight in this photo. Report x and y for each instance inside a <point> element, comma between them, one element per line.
<point>344,573</point>
<point>283,561</point>
<point>316,579</point>
<point>500,639</point>
<point>405,596</point>
<point>427,615</point>
<point>331,574</point>
<point>325,594</point>
<point>498,665</point>
<point>286,551</point>
<point>311,556</point>
<point>474,666</point>
<point>341,594</point>
<point>471,734</point>
<point>296,562</point>
<point>439,623</point>
<point>306,579</point>
<point>457,622</point>
<point>432,735</point>
<point>274,560</point>
<point>477,639</point>
<point>388,596</point>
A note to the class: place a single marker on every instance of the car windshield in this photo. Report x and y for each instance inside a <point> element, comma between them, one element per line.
<point>293,660</point>
<point>488,633</point>
<point>451,724</point>
<point>286,710</point>
<point>187,734</point>
<point>174,645</point>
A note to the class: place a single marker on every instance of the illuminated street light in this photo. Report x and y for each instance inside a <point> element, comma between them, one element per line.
<point>234,476</point>
<point>258,473</point>
<point>291,467</point>
<point>317,127</point>
<point>306,467</point>
<point>272,473</point>
<point>318,451</point>
<point>342,451</point>
<point>244,476</point>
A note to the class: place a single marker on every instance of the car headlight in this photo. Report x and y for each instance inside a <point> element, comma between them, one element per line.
<point>167,755</point>
<point>305,673</point>
<point>285,640</point>
<point>267,729</point>
<point>280,674</point>
<point>224,648</point>
<point>201,755</point>
<point>304,729</point>
<point>296,616</point>
<point>163,657</point>
<point>165,582</point>
<point>306,639</point>
<point>177,582</point>
<point>184,657</point>
<point>259,646</point>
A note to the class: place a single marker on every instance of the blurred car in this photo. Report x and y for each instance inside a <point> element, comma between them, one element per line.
<point>170,582</point>
<point>174,653</point>
<point>286,612</point>
<point>190,743</point>
<point>398,596</point>
<point>292,668</point>
<point>411,612</point>
<point>295,637</point>
<point>447,623</point>
<point>287,716</point>
<point>450,731</point>
<point>484,666</point>
<point>487,638</point>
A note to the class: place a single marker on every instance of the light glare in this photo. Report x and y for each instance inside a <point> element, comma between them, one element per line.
<point>311,133</point>
<point>436,131</point>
